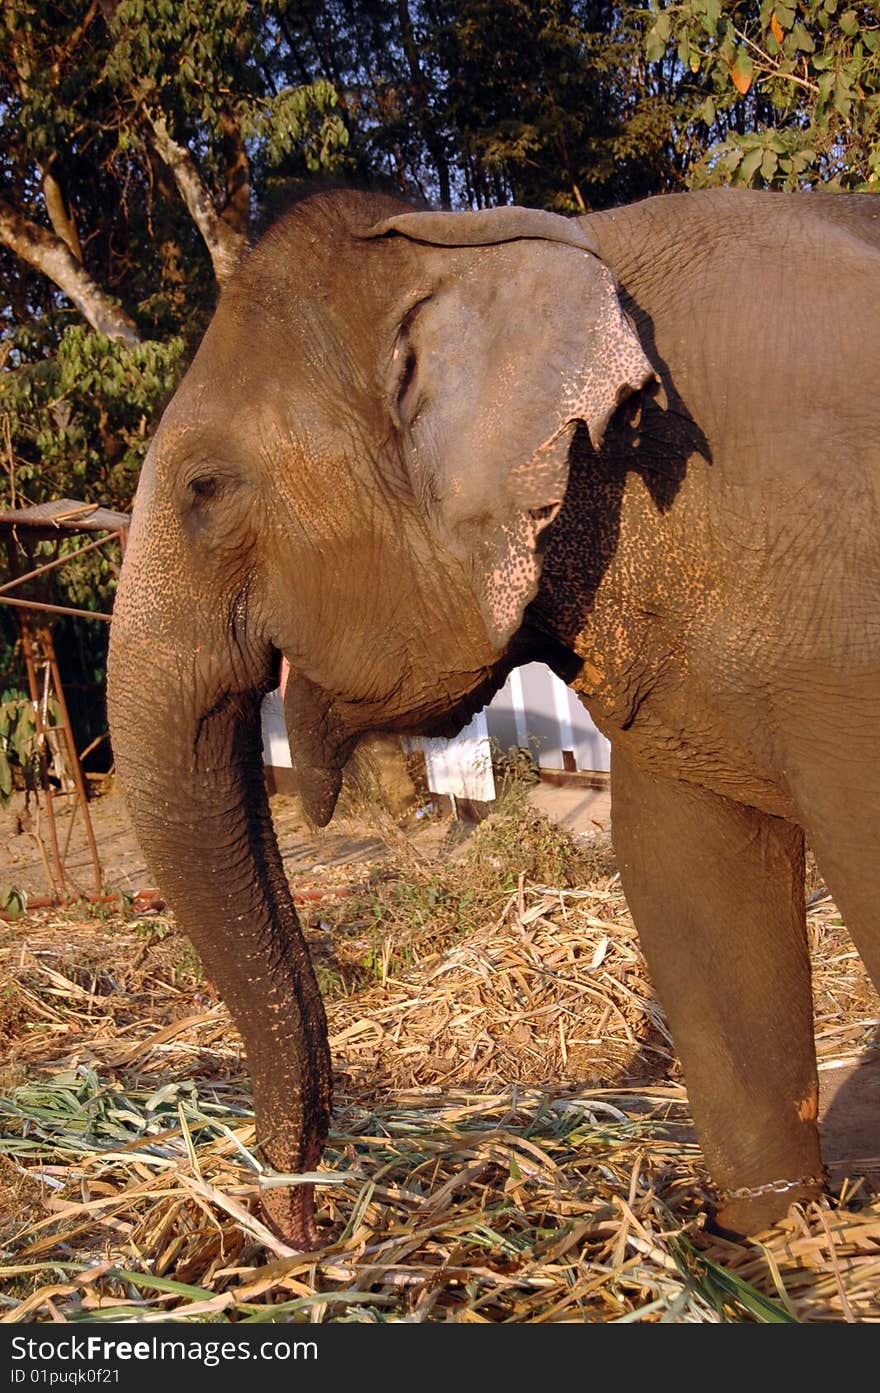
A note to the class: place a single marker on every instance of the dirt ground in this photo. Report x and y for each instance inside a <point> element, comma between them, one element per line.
<point>25,847</point>
<point>24,837</point>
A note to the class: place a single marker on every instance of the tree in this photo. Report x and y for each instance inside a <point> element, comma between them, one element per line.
<point>782,93</point>
<point>125,200</point>
<point>477,102</point>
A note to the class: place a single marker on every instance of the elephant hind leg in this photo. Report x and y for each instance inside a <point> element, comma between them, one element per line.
<point>717,893</point>
<point>839,807</point>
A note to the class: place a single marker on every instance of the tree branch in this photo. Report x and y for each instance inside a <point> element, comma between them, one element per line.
<point>422,102</point>
<point>225,243</point>
<point>237,212</point>
<point>771,69</point>
<point>73,40</point>
<point>60,216</point>
<point>48,253</point>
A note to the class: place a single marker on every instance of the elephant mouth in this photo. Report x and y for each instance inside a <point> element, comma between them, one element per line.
<point>323,730</point>
<point>322,737</point>
<point>320,745</point>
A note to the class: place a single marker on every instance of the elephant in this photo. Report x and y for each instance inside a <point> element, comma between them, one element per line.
<point>416,449</point>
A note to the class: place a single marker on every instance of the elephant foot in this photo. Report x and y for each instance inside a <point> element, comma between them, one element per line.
<point>289,1211</point>
<point>752,1209</point>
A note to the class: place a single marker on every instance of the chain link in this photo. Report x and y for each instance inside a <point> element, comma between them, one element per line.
<point>773,1187</point>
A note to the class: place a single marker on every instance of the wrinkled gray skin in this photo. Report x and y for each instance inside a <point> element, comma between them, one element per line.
<point>400,459</point>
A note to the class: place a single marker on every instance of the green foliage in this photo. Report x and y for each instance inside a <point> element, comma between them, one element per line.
<point>212,67</point>
<point>788,90</point>
<point>19,744</point>
<point>13,902</point>
<point>187,51</point>
<point>514,766</point>
<point>81,420</point>
<point>304,120</point>
<point>549,104</point>
<point>78,425</point>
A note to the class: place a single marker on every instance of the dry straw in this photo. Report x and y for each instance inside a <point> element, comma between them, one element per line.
<point>511,1139</point>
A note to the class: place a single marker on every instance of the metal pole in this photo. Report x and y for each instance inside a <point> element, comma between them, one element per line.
<point>55,609</point>
<point>76,769</point>
<point>38,647</point>
<point>27,645</point>
<point>54,564</point>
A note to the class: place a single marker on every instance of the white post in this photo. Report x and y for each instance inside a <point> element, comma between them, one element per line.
<point>563,713</point>
<point>519,708</point>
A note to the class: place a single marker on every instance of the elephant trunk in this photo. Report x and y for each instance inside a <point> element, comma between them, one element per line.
<point>190,765</point>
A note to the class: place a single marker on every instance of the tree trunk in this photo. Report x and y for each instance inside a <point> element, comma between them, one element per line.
<point>237,212</point>
<point>433,140</point>
<point>225,243</point>
<point>60,215</point>
<point>49,254</point>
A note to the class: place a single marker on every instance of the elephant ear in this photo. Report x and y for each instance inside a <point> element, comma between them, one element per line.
<point>517,335</point>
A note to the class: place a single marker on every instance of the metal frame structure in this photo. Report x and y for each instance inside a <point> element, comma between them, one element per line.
<point>21,529</point>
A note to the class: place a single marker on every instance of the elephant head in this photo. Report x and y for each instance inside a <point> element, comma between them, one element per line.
<point>356,473</point>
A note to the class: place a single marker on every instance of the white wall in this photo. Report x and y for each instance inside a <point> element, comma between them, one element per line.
<point>535,709</point>
<point>276,750</point>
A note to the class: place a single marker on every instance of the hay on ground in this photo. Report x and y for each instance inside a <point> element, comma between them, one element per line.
<point>511,1141</point>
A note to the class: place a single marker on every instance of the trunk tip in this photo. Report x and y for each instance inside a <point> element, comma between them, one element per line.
<point>290,1214</point>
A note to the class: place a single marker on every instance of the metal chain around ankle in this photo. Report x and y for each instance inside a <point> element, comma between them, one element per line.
<point>773,1187</point>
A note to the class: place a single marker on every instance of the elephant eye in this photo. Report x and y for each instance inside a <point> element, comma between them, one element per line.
<point>216,507</point>
<point>204,488</point>
<point>199,498</point>
<point>404,386</point>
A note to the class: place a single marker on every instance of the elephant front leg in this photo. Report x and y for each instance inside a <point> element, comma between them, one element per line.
<point>717,894</point>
